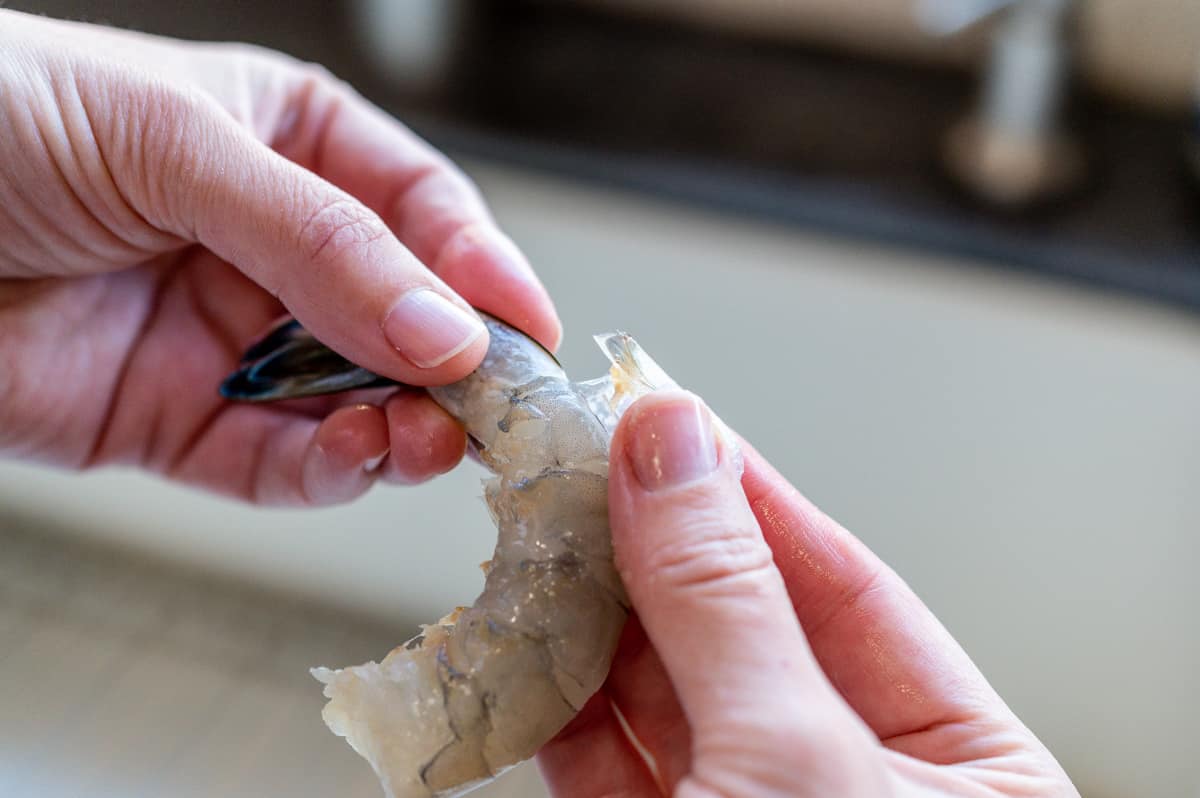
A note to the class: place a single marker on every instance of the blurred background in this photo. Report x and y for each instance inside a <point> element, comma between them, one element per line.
<point>940,260</point>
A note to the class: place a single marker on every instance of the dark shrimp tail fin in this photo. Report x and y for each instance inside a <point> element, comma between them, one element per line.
<point>289,363</point>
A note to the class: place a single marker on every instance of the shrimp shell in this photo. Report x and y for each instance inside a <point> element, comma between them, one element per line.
<point>485,687</point>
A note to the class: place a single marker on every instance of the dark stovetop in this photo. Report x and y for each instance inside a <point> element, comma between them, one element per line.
<point>806,136</point>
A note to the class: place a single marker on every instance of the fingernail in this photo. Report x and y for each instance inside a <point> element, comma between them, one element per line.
<point>429,329</point>
<point>374,463</point>
<point>672,443</point>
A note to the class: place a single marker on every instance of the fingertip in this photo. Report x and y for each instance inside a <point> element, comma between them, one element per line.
<point>425,440</point>
<point>627,494</point>
<point>343,458</point>
<point>669,485</point>
<point>544,325</point>
<point>353,435</point>
<point>488,269</point>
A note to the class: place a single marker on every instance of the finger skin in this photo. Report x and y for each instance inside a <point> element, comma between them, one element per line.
<point>886,653</point>
<point>891,659</point>
<point>191,170</point>
<point>280,459</point>
<point>425,440</point>
<point>136,156</point>
<point>142,139</point>
<point>62,210</point>
<point>592,758</point>
<point>693,559</point>
<point>432,207</point>
<point>490,272</point>
<point>170,418</point>
<point>344,456</point>
<point>639,686</point>
<point>702,580</point>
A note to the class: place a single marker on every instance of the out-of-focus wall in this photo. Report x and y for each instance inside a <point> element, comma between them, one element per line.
<point>1144,50</point>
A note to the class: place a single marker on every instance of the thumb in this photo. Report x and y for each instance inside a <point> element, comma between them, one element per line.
<point>330,260</point>
<point>706,589</point>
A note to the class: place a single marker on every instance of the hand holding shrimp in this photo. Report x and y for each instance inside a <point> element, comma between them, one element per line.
<point>775,655</point>
<point>721,688</point>
<point>488,685</point>
<point>161,202</point>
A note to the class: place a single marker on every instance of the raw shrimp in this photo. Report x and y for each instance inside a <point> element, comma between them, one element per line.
<point>485,687</point>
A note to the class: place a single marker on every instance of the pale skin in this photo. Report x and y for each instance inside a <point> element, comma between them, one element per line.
<point>773,653</point>
<point>161,203</point>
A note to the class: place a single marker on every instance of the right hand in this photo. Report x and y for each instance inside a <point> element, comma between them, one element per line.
<point>775,654</point>
<point>161,202</point>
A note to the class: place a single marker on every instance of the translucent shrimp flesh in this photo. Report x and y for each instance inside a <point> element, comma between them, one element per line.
<point>486,686</point>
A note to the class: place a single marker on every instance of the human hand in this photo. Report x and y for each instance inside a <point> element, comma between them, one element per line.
<point>775,655</point>
<point>161,202</point>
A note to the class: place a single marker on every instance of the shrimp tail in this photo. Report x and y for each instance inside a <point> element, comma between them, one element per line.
<point>289,363</point>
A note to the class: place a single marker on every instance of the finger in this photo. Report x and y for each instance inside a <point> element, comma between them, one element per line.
<point>425,440</point>
<point>319,407</point>
<point>275,458</point>
<point>331,261</point>
<point>592,758</point>
<point>639,686</point>
<point>344,456</point>
<point>433,208</point>
<point>702,580</point>
<point>886,653</point>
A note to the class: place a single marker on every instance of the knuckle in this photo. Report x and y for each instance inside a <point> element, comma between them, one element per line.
<point>308,71</point>
<point>172,129</point>
<point>465,189</point>
<point>170,107</point>
<point>442,182</point>
<point>313,86</point>
<point>337,229</point>
<point>251,59</point>
<point>774,751</point>
<point>315,99</point>
<point>460,180</point>
<point>714,558</point>
<point>270,64</point>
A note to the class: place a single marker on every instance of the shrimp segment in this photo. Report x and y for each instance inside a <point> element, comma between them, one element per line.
<point>485,687</point>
